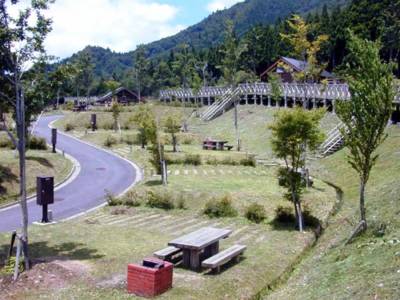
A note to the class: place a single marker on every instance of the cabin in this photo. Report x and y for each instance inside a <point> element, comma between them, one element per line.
<point>286,66</point>
<point>121,94</point>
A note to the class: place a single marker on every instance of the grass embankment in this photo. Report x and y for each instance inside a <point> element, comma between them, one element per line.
<point>369,268</point>
<point>38,163</point>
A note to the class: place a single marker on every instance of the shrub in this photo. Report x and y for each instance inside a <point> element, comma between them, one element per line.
<point>284,215</point>
<point>187,140</point>
<point>220,208</point>
<point>68,106</point>
<point>131,140</point>
<point>69,127</point>
<point>5,142</point>
<point>193,159</point>
<point>37,143</point>
<point>181,203</point>
<point>133,199</point>
<point>108,126</point>
<point>248,161</point>
<point>158,200</point>
<point>255,213</point>
<point>110,141</point>
<point>112,200</point>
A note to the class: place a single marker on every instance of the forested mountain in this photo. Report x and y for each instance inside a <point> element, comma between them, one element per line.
<point>197,55</point>
<point>208,33</point>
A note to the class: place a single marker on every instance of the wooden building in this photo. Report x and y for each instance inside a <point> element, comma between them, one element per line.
<point>285,67</point>
<point>122,95</point>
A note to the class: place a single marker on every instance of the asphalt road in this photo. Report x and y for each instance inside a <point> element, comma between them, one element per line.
<point>99,171</point>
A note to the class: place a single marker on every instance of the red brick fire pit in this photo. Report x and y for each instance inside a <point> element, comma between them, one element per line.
<point>150,279</point>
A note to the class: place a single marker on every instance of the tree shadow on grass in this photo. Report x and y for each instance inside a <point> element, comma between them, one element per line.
<point>6,176</point>
<point>41,160</point>
<point>42,251</point>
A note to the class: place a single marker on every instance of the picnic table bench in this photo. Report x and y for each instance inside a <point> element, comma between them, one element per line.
<point>216,145</point>
<point>200,244</point>
<point>167,253</point>
<point>216,261</point>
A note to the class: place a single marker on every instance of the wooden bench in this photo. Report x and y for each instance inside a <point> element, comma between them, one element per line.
<point>167,253</point>
<point>216,261</point>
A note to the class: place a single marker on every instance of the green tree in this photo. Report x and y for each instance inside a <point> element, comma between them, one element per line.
<point>84,75</point>
<point>116,111</point>
<point>305,49</point>
<point>59,79</point>
<point>232,52</point>
<point>145,121</point>
<point>293,132</point>
<point>141,66</point>
<point>367,114</point>
<point>21,44</point>
<point>172,126</point>
<point>184,65</point>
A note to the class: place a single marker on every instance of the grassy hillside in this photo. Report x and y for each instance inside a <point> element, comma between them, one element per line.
<point>369,268</point>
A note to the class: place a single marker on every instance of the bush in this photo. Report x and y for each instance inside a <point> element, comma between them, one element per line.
<point>193,159</point>
<point>108,126</point>
<point>248,161</point>
<point>110,141</point>
<point>69,127</point>
<point>5,142</point>
<point>68,106</point>
<point>37,143</point>
<point>255,213</point>
<point>133,199</point>
<point>159,200</point>
<point>181,203</point>
<point>112,200</point>
<point>131,140</point>
<point>284,215</point>
<point>220,208</point>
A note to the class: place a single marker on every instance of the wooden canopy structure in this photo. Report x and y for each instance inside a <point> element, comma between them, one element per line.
<point>286,66</point>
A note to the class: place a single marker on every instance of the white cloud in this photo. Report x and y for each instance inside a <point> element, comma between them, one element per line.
<point>116,24</point>
<point>221,4</point>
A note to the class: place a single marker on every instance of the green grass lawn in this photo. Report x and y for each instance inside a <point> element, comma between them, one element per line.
<point>107,240</point>
<point>38,163</point>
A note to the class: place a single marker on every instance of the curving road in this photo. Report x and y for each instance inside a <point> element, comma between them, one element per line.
<point>99,171</point>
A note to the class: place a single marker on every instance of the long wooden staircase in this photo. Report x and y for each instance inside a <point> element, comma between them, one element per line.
<point>334,141</point>
<point>220,106</point>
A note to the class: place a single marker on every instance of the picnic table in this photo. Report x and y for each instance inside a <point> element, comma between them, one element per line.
<point>199,245</point>
<point>214,145</point>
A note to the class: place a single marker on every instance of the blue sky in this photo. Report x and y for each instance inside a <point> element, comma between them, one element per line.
<point>120,25</point>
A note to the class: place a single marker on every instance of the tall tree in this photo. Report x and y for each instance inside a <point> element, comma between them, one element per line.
<point>22,40</point>
<point>305,49</point>
<point>59,79</point>
<point>232,52</point>
<point>367,114</point>
<point>293,132</point>
<point>172,126</point>
<point>84,77</point>
<point>141,65</point>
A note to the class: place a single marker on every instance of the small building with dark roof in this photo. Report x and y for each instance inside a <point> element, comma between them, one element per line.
<point>123,95</point>
<point>286,66</point>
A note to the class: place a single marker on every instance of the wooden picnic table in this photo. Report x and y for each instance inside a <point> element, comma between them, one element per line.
<point>214,145</point>
<point>199,245</point>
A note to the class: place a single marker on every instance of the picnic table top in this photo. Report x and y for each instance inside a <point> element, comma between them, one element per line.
<point>214,141</point>
<point>201,238</point>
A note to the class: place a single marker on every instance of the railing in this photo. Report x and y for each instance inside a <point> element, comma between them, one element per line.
<point>290,90</point>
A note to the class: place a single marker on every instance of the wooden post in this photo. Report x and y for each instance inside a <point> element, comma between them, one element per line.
<point>269,100</point>
<point>13,236</point>
<point>17,256</point>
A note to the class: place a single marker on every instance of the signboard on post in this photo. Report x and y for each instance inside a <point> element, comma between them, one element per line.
<point>93,122</point>
<point>45,194</point>
<point>54,138</point>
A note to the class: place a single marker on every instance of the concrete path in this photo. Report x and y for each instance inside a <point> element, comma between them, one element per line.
<point>99,171</point>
